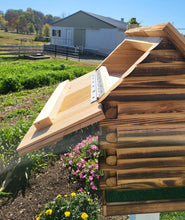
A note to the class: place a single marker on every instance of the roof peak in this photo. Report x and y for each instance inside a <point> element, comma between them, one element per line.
<point>111,21</point>
<point>166,30</point>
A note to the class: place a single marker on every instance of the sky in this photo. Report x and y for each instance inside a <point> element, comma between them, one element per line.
<point>148,12</point>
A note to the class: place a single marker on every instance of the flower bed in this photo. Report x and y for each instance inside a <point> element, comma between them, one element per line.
<point>82,162</point>
<point>75,206</point>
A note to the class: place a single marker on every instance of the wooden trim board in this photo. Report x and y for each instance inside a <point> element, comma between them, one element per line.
<point>153,206</point>
<point>50,110</point>
<point>74,111</point>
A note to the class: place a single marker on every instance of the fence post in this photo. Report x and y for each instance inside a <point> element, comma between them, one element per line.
<point>55,50</point>
<point>19,51</point>
<point>67,53</point>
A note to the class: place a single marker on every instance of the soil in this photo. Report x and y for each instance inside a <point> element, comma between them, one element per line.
<point>44,187</point>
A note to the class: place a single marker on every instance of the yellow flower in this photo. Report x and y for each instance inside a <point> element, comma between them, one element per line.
<point>84,215</point>
<point>38,218</point>
<point>59,196</point>
<point>73,194</point>
<point>49,212</point>
<point>67,214</point>
<point>65,196</point>
<point>88,200</point>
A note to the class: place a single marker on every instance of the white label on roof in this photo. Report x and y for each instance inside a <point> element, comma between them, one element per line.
<point>101,82</point>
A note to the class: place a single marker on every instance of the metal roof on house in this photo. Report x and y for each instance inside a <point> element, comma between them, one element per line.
<point>110,21</point>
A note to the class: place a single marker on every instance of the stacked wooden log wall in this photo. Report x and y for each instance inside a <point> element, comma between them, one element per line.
<point>143,135</point>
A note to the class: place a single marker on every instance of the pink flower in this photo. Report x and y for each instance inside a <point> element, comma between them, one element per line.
<point>81,189</point>
<point>81,175</point>
<point>92,183</point>
<point>83,161</point>
<point>93,187</point>
<point>89,151</point>
<point>95,154</point>
<point>85,176</point>
<point>94,147</point>
<point>76,172</point>
<point>90,178</point>
<point>70,162</point>
<point>98,176</point>
<point>92,171</point>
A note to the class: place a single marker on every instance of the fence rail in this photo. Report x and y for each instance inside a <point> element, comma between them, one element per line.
<point>19,50</point>
<point>62,50</point>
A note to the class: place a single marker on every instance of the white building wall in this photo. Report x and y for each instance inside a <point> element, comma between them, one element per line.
<point>102,40</point>
<point>120,37</point>
<point>62,40</point>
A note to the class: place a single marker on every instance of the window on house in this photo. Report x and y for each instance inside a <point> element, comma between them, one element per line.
<point>56,33</point>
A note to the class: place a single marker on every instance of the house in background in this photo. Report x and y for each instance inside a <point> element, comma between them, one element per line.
<point>88,31</point>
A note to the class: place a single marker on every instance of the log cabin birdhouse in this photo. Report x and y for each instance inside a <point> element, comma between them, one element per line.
<point>137,96</point>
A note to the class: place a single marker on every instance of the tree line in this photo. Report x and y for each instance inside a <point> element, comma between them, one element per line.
<point>26,22</point>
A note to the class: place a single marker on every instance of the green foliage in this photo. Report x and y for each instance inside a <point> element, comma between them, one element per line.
<point>73,207</point>
<point>29,75</point>
<point>19,112</point>
<point>172,216</point>
<point>46,32</point>
<point>16,179</point>
<point>133,21</point>
<point>20,20</point>
<point>15,170</point>
<point>10,84</point>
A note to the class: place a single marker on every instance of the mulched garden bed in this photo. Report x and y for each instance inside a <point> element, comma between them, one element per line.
<point>44,187</point>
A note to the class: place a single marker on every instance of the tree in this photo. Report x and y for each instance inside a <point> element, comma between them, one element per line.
<point>31,28</point>
<point>3,22</point>
<point>12,17</point>
<point>39,21</point>
<point>133,21</point>
<point>25,20</point>
<point>46,32</point>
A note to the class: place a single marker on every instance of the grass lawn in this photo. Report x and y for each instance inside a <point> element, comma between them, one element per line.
<point>7,38</point>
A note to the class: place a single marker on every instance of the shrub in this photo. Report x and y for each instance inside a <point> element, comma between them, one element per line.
<point>10,84</point>
<point>73,207</point>
<point>82,162</point>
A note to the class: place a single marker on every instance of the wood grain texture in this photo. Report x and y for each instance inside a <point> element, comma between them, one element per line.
<point>150,183</point>
<point>125,55</point>
<point>152,206</point>
<point>148,107</point>
<point>51,108</point>
<point>151,152</point>
<point>151,162</point>
<point>73,115</point>
<point>149,173</point>
<point>166,30</point>
<point>144,119</point>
